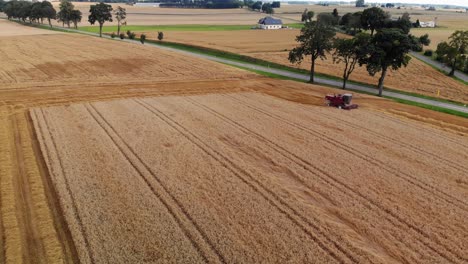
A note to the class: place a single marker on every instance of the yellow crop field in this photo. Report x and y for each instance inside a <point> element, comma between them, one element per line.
<point>262,180</point>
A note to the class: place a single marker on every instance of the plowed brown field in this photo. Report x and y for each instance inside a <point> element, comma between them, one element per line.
<point>274,46</point>
<point>37,224</point>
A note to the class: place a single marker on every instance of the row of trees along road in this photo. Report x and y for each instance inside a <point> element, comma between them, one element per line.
<point>38,11</point>
<point>386,47</point>
<point>25,10</point>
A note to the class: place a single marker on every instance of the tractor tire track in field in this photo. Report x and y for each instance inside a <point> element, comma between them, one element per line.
<point>422,185</point>
<point>321,174</point>
<point>192,235</point>
<point>2,226</point>
<point>64,234</point>
<point>33,249</point>
<point>281,205</point>
<point>390,212</point>
<point>48,153</point>
<point>405,145</point>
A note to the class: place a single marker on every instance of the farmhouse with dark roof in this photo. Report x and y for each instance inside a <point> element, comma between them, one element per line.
<point>270,23</point>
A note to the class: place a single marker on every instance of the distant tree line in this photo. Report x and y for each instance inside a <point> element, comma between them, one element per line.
<point>28,11</point>
<point>262,7</point>
<point>385,47</point>
<point>215,4</point>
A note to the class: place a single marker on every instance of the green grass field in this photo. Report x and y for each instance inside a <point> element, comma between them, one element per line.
<point>110,29</point>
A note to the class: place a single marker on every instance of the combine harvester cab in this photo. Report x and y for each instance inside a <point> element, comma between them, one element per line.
<point>341,101</point>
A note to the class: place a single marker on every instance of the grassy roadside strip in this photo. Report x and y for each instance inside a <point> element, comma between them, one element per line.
<point>110,29</point>
<point>441,71</point>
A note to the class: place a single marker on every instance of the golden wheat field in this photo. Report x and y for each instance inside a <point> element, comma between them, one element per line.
<point>248,178</point>
<point>112,152</point>
<point>274,46</point>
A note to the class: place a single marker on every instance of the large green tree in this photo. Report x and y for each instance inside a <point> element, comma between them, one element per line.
<point>48,11</point>
<point>454,52</point>
<point>373,18</point>
<point>100,13</point>
<point>315,40</point>
<point>350,52</point>
<point>65,12</point>
<point>388,49</point>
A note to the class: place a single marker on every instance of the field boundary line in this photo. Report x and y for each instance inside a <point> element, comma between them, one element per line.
<point>237,171</point>
<point>164,189</point>
<point>332,181</point>
<point>64,176</point>
<point>389,211</point>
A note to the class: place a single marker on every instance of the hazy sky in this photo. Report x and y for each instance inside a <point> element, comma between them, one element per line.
<point>438,2</point>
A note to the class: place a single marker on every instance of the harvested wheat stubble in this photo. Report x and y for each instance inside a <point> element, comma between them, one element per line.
<point>249,178</point>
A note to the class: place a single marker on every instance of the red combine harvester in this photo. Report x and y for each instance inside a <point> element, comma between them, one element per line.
<point>342,101</point>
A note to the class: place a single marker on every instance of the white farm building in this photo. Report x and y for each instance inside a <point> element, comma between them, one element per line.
<point>270,23</point>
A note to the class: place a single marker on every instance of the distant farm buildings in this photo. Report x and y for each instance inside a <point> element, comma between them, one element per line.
<point>270,23</point>
<point>429,24</point>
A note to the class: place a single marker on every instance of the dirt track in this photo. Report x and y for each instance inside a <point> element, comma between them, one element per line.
<point>328,183</point>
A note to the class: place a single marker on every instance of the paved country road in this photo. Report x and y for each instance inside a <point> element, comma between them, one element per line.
<point>440,66</point>
<point>305,77</point>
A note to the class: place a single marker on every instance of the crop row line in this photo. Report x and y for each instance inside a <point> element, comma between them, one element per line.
<point>163,189</point>
<point>435,134</point>
<point>350,149</point>
<point>253,183</point>
<point>48,153</point>
<point>386,210</point>
<point>327,178</point>
<point>416,149</point>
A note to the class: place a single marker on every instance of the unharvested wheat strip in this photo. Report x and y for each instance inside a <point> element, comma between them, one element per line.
<point>62,232</point>
<point>228,224</point>
<point>61,185</point>
<point>11,233</point>
<point>381,128</point>
<point>377,158</point>
<point>225,107</point>
<point>436,211</point>
<point>425,177</point>
<point>258,160</point>
<point>123,220</point>
<point>191,230</point>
